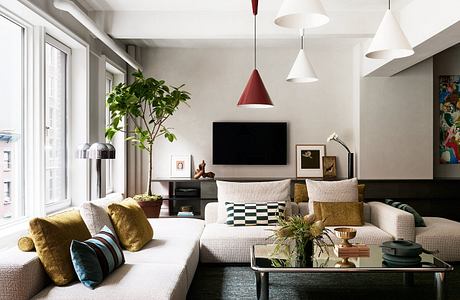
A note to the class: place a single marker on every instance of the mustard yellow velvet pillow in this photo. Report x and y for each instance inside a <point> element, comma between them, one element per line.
<point>339,213</point>
<point>300,192</point>
<point>131,225</point>
<point>52,237</point>
<point>361,189</point>
<point>26,244</point>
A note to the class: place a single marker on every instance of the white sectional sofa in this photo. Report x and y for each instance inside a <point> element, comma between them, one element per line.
<point>163,269</point>
<point>221,243</point>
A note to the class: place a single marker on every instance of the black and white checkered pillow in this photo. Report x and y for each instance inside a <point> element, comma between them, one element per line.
<point>252,214</point>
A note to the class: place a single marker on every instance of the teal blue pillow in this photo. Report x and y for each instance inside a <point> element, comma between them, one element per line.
<point>419,222</point>
<point>97,257</point>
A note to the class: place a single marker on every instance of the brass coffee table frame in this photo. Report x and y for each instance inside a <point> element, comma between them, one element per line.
<point>438,267</point>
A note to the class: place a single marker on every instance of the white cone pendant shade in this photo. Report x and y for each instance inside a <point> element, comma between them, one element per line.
<point>389,41</point>
<point>302,71</point>
<point>301,14</point>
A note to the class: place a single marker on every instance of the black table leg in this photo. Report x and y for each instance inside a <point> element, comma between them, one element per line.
<point>441,285</point>
<point>258,284</point>
<point>408,279</point>
<point>263,286</point>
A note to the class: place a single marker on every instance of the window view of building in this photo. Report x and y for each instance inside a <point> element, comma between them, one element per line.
<point>11,118</point>
<point>55,121</point>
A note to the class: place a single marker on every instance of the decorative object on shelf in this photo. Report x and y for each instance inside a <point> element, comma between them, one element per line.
<point>151,205</point>
<point>449,130</point>
<point>96,151</point>
<point>309,160</point>
<point>351,164</point>
<point>181,166</point>
<point>329,167</point>
<point>147,103</point>
<point>345,234</point>
<point>304,232</point>
<point>255,94</point>
<point>389,41</point>
<point>301,14</point>
<point>302,71</point>
<point>201,172</point>
<point>186,208</point>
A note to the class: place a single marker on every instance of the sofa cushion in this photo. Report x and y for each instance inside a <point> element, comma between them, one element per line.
<point>252,192</point>
<point>417,217</point>
<point>221,243</point>
<point>332,191</point>
<point>97,257</point>
<point>131,225</point>
<point>95,217</point>
<point>339,213</point>
<point>253,214</point>
<point>301,193</point>
<point>130,281</point>
<point>52,237</point>
<point>440,234</point>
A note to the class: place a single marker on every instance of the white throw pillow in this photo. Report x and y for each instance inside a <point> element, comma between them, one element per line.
<point>331,191</point>
<point>95,217</point>
<point>252,192</point>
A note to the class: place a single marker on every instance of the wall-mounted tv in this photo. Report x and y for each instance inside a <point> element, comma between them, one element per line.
<point>249,143</point>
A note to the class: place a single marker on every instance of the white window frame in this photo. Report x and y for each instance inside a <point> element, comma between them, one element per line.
<point>58,205</point>
<point>109,186</point>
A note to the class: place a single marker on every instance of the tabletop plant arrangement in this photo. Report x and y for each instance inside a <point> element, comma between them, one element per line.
<point>145,104</point>
<point>295,238</point>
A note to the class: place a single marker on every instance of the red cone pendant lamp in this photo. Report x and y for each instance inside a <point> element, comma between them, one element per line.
<point>255,94</point>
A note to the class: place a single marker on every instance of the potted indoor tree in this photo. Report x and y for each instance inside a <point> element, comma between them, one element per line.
<point>146,104</point>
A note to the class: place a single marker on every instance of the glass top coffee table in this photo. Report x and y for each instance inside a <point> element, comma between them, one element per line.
<point>261,263</point>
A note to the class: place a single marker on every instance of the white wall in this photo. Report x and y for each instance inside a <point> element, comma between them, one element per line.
<point>396,125</point>
<point>216,77</point>
<point>444,63</point>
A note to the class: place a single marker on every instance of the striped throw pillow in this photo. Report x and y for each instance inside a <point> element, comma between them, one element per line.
<point>96,257</point>
<point>253,214</point>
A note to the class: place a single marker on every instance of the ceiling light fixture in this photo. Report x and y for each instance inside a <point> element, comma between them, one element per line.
<point>301,14</point>
<point>302,71</point>
<point>389,41</point>
<point>255,94</point>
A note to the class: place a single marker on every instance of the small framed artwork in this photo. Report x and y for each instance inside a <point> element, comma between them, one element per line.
<point>181,166</point>
<point>329,167</point>
<point>309,160</point>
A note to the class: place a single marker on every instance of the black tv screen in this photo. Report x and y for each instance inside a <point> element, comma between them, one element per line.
<point>238,143</point>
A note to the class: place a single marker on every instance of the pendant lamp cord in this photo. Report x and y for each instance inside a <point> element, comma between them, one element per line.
<point>302,33</point>
<point>389,4</point>
<point>255,42</point>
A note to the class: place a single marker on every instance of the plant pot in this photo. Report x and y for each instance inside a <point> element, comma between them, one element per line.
<point>304,251</point>
<point>151,208</point>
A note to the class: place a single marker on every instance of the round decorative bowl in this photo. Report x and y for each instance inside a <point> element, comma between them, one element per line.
<point>345,234</point>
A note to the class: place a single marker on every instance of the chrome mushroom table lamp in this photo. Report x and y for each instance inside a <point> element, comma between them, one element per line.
<point>96,151</point>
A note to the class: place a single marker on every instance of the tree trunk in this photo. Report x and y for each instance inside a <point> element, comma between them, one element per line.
<point>149,177</point>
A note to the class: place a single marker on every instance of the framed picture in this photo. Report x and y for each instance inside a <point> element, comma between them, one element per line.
<point>449,129</point>
<point>309,160</point>
<point>329,167</point>
<point>181,166</point>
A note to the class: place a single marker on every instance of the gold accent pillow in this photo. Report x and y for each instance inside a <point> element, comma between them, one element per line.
<point>361,189</point>
<point>26,244</point>
<point>300,192</point>
<point>52,237</point>
<point>339,213</point>
<point>131,225</point>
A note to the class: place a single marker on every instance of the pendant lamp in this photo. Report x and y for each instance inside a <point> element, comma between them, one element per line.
<point>301,14</point>
<point>389,41</point>
<point>302,71</point>
<point>255,94</point>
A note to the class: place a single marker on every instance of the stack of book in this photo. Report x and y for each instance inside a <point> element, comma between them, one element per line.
<point>185,214</point>
<point>357,250</point>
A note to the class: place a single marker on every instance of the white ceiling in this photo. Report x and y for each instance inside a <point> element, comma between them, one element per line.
<point>229,23</point>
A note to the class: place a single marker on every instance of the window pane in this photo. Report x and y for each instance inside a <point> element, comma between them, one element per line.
<point>108,162</point>
<point>55,124</point>
<point>11,137</point>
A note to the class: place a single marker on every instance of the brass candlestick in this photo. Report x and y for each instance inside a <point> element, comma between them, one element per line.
<point>345,234</point>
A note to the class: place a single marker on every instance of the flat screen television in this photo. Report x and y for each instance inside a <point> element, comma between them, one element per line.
<point>249,143</point>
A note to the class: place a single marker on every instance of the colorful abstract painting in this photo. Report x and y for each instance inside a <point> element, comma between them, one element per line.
<point>449,109</point>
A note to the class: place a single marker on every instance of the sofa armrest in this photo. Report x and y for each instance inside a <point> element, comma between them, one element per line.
<point>210,212</point>
<point>303,208</point>
<point>400,224</point>
<point>21,275</point>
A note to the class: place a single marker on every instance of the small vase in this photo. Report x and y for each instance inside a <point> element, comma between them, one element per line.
<point>304,257</point>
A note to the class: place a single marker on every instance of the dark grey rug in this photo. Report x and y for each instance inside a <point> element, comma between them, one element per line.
<point>237,282</point>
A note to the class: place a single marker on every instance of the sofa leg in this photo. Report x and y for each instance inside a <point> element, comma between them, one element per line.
<point>262,285</point>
